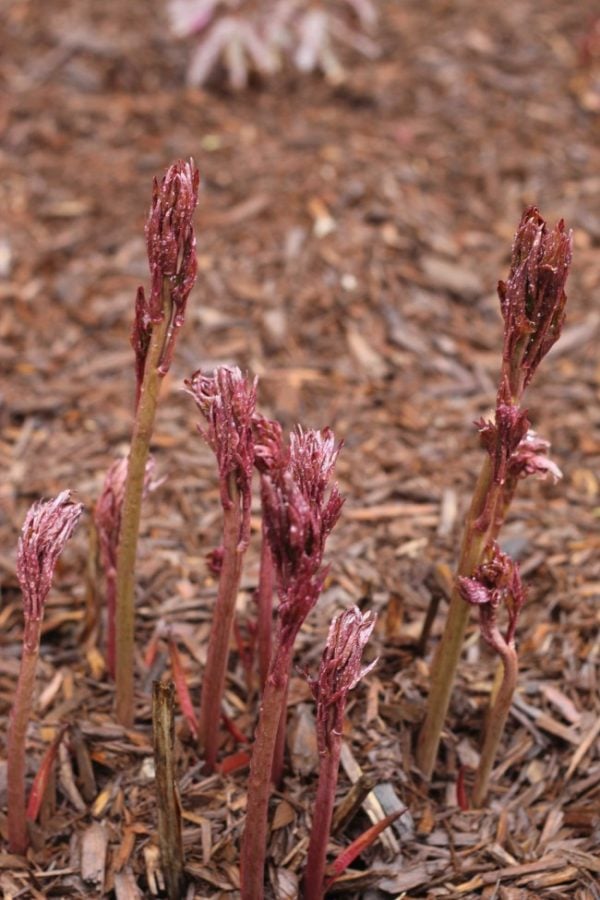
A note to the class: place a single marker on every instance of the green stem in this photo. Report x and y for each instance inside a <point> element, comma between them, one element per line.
<point>130,517</point>
<point>314,875</point>
<point>446,659</point>
<point>17,730</point>
<point>254,841</point>
<point>496,721</point>
<point>220,634</point>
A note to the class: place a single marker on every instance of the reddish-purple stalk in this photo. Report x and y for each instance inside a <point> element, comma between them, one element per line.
<point>264,601</point>
<point>227,401</point>
<point>107,519</point>
<point>297,531</point>
<point>339,672</point>
<point>497,581</point>
<point>532,302</point>
<point>269,452</point>
<point>47,527</point>
<point>171,246</point>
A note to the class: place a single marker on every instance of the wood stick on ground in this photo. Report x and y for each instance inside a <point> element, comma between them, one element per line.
<point>169,813</point>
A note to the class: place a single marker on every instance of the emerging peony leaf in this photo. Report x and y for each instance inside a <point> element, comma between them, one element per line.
<point>299,516</point>
<point>531,458</point>
<point>502,437</point>
<point>533,297</point>
<point>171,246</point>
<point>107,512</point>
<point>497,581</point>
<point>227,400</point>
<point>48,526</point>
<point>340,671</point>
<point>269,450</point>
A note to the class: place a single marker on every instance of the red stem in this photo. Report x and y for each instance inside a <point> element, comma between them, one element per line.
<point>279,754</point>
<point>314,876</point>
<point>17,730</point>
<point>254,840</point>
<point>266,583</point>
<point>220,634</point>
<point>111,628</point>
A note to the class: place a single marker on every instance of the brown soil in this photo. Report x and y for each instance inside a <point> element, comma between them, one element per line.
<point>350,240</point>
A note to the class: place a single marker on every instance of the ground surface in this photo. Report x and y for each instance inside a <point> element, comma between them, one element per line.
<point>349,242</point>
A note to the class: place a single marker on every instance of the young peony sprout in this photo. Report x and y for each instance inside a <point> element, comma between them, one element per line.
<point>171,246</point>
<point>297,530</point>
<point>339,672</point>
<point>532,302</point>
<point>47,528</point>
<point>496,581</point>
<point>107,520</point>
<point>533,299</point>
<point>227,401</point>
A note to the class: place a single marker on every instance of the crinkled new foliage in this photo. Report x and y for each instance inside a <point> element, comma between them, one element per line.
<point>107,512</point>
<point>299,516</point>
<point>171,246</point>
<point>47,528</point>
<point>340,671</point>
<point>227,400</point>
<point>533,298</point>
<point>496,582</point>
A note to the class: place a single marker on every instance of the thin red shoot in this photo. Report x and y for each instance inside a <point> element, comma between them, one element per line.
<point>233,763</point>
<point>358,846</point>
<point>185,701</point>
<point>233,730</point>
<point>40,782</point>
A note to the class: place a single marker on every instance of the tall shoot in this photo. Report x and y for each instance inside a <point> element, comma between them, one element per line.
<point>171,246</point>
<point>47,528</point>
<point>107,521</point>
<point>532,301</point>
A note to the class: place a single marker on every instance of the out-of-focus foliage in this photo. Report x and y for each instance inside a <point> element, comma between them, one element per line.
<point>244,36</point>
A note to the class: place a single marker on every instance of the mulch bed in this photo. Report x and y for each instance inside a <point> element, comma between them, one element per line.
<point>350,239</point>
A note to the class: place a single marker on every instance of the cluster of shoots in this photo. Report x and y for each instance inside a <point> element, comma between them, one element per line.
<point>258,36</point>
<point>301,505</point>
<point>532,302</point>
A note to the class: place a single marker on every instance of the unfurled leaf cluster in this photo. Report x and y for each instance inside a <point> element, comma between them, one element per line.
<point>245,36</point>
